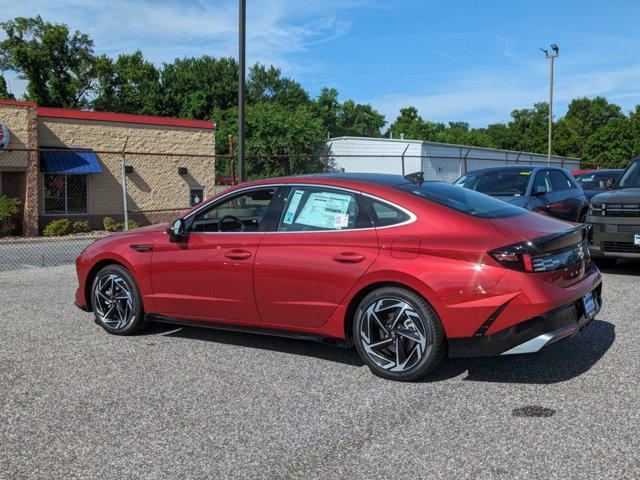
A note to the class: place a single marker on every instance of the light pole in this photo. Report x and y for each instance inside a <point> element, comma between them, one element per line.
<point>551,57</point>
<point>241,88</point>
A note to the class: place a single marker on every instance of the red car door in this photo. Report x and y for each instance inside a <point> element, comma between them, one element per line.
<point>207,274</point>
<point>321,245</point>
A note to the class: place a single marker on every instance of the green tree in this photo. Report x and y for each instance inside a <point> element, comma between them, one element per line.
<point>613,144</point>
<point>359,120</point>
<point>4,90</point>
<point>129,85</point>
<point>196,87</point>
<point>58,64</point>
<point>327,107</point>
<point>268,84</point>
<point>408,123</point>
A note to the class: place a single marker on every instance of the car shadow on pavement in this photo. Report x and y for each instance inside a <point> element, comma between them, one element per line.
<point>559,362</point>
<point>623,267</point>
<point>292,346</point>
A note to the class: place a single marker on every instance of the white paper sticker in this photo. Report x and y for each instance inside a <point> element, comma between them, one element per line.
<point>636,239</point>
<point>293,206</point>
<point>321,208</point>
<point>341,220</point>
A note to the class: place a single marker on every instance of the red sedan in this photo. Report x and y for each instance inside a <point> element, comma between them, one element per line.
<point>406,270</point>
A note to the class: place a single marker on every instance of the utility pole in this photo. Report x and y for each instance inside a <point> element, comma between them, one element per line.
<point>551,57</point>
<point>241,88</point>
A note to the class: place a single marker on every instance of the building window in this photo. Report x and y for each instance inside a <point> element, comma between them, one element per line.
<point>65,194</point>
<point>196,196</point>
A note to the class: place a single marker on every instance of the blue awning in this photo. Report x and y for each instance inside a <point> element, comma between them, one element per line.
<point>73,162</point>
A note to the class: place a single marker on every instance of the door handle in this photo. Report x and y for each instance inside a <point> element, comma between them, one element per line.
<point>238,254</point>
<point>348,257</point>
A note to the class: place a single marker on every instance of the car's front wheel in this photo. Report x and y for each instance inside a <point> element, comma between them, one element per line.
<point>397,334</point>
<point>116,301</point>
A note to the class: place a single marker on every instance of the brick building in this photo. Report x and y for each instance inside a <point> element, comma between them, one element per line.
<point>173,163</point>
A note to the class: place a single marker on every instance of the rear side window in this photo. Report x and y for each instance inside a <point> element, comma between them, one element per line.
<point>385,215</point>
<point>543,179</point>
<point>463,200</point>
<point>560,181</point>
<point>507,183</point>
<point>317,209</point>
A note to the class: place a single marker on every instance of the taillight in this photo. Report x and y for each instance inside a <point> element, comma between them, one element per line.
<point>544,254</point>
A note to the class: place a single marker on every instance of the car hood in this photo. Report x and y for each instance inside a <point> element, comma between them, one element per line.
<point>529,226</point>
<point>155,228</point>
<point>622,195</point>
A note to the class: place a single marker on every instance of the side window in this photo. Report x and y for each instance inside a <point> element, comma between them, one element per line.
<point>242,213</point>
<point>542,180</point>
<point>385,215</point>
<point>560,181</point>
<point>318,208</point>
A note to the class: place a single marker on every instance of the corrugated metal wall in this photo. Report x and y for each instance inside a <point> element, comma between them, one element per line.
<point>439,161</point>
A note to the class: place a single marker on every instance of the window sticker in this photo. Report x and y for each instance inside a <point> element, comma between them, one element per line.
<point>525,173</point>
<point>293,206</point>
<point>322,208</point>
<point>341,220</point>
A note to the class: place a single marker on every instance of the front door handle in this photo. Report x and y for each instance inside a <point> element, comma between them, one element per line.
<point>348,257</point>
<point>238,254</point>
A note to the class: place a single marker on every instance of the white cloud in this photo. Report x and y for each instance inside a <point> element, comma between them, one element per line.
<point>482,98</point>
<point>276,29</point>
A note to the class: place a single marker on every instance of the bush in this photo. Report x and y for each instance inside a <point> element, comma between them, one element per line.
<point>81,226</point>
<point>58,228</point>
<point>9,210</point>
<point>111,226</point>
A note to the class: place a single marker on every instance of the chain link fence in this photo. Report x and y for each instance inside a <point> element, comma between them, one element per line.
<point>84,195</point>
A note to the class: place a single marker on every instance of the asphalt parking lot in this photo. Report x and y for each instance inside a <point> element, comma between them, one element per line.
<point>186,403</point>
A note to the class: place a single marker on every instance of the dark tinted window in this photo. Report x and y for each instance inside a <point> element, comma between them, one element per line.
<point>543,179</point>
<point>631,176</point>
<point>497,183</point>
<point>560,181</point>
<point>385,215</point>
<point>595,180</point>
<point>463,200</point>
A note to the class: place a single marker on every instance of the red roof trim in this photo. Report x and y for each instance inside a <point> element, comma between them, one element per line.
<point>17,103</point>
<point>123,118</point>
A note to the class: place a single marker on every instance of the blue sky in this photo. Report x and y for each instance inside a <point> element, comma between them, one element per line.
<point>454,60</point>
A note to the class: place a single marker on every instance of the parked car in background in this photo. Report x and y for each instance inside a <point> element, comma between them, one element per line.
<point>615,219</point>
<point>594,182</point>
<point>548,190</point>
<point>406,270</point>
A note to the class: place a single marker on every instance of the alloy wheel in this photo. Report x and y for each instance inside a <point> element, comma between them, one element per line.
<point>113,302</point>
<point>393,334</point>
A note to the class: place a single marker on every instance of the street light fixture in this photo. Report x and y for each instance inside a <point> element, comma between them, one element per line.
<point>551,57</point>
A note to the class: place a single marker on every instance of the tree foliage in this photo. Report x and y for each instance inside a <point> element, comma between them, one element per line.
<point>4,90</point>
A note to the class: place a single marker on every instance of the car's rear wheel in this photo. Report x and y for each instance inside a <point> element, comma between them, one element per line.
<point>397,334</point>
<point>116,301</point>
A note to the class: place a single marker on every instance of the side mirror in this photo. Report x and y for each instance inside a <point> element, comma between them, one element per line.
<point>611,183</point>
<point>540,190</point>
<point>177,229</point>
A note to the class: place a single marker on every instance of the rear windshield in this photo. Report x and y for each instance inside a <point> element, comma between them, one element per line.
<point>463,200</point>
<point>505,183</point>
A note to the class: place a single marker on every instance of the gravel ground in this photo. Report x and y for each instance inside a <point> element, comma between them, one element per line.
<point>190,403</point>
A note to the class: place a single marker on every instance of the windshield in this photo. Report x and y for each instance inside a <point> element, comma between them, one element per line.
<point>463,200</point>
<point>506,183</point>
<point>595,180</point>
<point>631,176</point>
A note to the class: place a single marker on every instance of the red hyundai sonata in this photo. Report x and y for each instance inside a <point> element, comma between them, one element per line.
<point>406,270</point>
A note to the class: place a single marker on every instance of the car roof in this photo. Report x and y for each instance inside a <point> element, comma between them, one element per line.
<point>525,168</point>
<point>603,170</point>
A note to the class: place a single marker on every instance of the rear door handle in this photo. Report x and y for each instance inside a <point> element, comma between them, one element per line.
<point>238,254</point>
<point>348,257</point>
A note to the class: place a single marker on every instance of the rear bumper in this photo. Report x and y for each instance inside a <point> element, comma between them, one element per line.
<point>530,335</point>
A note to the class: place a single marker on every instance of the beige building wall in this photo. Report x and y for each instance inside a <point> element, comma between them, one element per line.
<point>17,119</point>
<point>154,185</point>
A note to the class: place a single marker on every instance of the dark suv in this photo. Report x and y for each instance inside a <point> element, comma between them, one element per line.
<point>549,190</point>
<point>615,217</point>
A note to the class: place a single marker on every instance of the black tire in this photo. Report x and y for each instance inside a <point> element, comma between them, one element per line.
<point>130,310</point>
<point>606,262</point>
<point>427,327</point>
